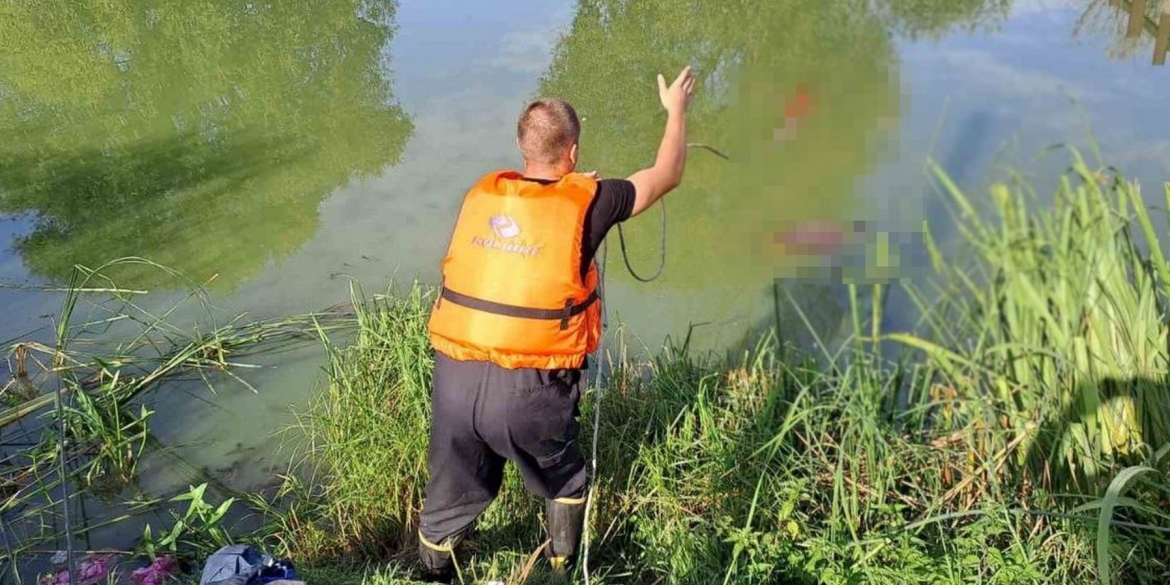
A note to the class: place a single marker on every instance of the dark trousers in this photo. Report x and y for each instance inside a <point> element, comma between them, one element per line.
<point>484,415</point>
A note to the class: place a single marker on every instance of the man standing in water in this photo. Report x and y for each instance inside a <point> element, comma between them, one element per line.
<point>517,315</point>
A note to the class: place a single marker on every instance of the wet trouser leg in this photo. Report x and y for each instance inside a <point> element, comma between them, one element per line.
<point>483,415</point>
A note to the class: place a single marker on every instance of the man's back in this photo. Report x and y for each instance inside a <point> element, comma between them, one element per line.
<point>519,287</point>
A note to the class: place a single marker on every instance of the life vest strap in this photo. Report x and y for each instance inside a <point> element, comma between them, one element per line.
<point>571,310</point>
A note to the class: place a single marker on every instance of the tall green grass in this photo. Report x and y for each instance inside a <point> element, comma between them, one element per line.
<point>1061,317</point>
<point>357,472</point>
<point>776,467</point>
<point>709,472</point>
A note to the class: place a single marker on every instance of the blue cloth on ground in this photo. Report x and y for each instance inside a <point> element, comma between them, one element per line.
<point>237,564</point>
<point>240,564</point>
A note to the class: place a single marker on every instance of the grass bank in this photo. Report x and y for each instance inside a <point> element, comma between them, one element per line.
<point>1032,449</point>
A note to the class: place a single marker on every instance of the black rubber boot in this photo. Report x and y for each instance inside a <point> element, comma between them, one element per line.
<point>438,564</point>
<point>566,520</point>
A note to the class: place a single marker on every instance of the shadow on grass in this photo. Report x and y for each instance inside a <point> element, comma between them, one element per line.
<point>1082,456</point>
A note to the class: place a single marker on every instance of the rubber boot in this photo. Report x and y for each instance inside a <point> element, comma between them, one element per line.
<point>438,564</point>
<point>566,520</point>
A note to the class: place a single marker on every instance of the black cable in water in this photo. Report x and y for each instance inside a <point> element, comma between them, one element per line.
<point>661,247</point>
<point>701,145</point>
<point>603,270</point>
<point>662,221</point>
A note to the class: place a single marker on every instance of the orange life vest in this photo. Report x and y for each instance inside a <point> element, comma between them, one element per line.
<point>512,292</point>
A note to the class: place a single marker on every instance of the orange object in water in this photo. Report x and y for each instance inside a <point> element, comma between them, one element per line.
<point>796,108</point>
<point>512,292</point>
<point>801,104</point>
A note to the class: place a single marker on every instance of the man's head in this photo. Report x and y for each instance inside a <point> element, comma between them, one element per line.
<point>547,134</point>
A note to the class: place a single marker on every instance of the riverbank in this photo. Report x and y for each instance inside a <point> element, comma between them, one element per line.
<point>1018,439</point>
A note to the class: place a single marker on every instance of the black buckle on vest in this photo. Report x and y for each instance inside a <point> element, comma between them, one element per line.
<point>568,314</point>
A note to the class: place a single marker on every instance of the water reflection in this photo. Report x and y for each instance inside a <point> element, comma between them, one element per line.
<point>934,19</point>
<point>1134,25</point>
<point>804,97</point>
<point>794,92</point>
<point>202,136</point>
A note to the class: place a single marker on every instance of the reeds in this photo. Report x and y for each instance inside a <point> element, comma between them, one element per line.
<point>108,356</point>
<point>1060,318</point>
<point>709,472</point>
<point>781,468</point>
<point>359,469</point>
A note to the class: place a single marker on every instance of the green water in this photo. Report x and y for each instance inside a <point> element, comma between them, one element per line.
<point>201,136</point>
<point>275,151</point>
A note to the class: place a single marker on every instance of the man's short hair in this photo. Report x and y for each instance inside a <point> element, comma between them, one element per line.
<point>547,128</point>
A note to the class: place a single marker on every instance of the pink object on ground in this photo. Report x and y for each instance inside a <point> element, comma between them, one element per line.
<point>156,573</point>
<point>89,572</point>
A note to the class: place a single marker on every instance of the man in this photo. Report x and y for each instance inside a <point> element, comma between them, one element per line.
<point>517,314</point>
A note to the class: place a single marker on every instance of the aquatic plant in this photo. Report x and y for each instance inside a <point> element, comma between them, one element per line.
<point>109,356</point>
<point>357,473</point>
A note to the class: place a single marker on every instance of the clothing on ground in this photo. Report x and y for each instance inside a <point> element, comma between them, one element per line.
<point>233,565</point>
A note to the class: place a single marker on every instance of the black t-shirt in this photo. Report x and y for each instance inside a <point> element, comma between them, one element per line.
<point>612,205</point>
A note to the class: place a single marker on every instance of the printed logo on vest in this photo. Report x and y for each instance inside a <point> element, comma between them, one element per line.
<point>504,227</point>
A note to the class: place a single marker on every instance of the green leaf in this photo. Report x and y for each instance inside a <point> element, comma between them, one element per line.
<point>1110,501</point>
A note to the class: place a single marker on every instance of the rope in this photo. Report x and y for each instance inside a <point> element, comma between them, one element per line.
<point>600,392</point>
<point>64,484</point>
<point>600,385</point>
<point>601,351</point>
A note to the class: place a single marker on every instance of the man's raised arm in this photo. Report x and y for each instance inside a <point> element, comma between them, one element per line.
<point>652,183</point>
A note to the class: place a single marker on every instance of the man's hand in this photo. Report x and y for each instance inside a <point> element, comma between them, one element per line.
<point>652,183</point>
<point>675,97</point>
